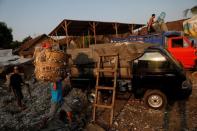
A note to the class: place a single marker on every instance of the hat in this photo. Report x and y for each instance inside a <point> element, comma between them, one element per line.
<point>46,45</point>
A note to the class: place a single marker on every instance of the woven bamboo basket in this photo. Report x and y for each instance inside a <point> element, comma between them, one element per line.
<point>47,76</point>
<point>50,65</point>
<point>55,56</point>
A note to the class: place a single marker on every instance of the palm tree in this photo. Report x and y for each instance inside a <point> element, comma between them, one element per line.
<point>193,10</point>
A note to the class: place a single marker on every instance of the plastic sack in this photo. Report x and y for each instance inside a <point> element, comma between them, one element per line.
<point>190,26</point>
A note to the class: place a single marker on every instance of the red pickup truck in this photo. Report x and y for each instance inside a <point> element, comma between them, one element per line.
<point>179,46</point>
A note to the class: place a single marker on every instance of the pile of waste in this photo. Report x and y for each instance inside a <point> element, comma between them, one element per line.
<point>38,105</point>
<point>190,26</point>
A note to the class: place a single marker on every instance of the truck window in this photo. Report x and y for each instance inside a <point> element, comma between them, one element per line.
<point>154,61</point>
<point>179,43</point>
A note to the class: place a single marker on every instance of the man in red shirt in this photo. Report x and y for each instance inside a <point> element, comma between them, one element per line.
<point>150,24</point>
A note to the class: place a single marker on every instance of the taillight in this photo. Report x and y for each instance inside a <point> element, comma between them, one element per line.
<point>196,53</point>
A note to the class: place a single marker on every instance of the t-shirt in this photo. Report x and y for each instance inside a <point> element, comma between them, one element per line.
<point>56,95</point>
<point>15,81</point>
<point>151,21</point>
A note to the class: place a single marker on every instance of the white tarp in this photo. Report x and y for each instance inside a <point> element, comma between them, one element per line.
<point>6,58</point>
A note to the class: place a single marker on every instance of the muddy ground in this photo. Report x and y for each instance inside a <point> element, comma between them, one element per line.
<point>130,114</point>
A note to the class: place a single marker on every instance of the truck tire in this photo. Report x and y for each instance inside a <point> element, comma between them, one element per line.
<point>155,99</point>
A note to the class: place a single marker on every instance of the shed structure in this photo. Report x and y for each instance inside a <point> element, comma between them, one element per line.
<point>92,28</point>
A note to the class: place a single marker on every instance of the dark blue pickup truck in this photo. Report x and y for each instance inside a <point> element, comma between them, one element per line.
<point>178,45</point>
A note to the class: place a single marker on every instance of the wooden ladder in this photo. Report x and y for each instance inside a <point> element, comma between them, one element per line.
<point>100,73</point>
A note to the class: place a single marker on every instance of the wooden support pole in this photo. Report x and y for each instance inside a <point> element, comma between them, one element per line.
<point>131,28</point>
<point>93,28</point>
<point>89,38</point>
<point>115,26</point>
<point>65,27</point>
<point>83,41</point>
<point>56,37</point>
<point>66,30</point>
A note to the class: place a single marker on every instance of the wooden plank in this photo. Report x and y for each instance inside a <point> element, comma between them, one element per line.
<point>103,106</point>
<point>105,88</point>
<point>106,70</point>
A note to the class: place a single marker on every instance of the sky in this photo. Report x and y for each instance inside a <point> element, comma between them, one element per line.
<point>35,17</point>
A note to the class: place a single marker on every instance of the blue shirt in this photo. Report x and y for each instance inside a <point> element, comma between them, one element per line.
<point>56,95</point>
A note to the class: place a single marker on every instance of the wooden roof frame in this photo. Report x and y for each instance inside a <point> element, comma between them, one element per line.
<point>86,28</point>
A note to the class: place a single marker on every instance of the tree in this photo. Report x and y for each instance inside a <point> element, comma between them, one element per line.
<point>26,39</point>
<point>15,44</point>
<point>5,36</point>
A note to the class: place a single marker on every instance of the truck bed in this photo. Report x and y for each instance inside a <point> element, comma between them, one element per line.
<point>83,62</point>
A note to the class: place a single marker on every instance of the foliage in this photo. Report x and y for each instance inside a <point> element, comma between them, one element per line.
<point>15,44</point>
<point>26,39</point>
<point>5,36</point>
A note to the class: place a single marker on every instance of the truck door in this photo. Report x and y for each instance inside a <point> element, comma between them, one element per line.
<point>182,50</point>
<point>153,70</point>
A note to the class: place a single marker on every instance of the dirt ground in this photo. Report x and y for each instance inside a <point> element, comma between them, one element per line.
<point>133,115</point>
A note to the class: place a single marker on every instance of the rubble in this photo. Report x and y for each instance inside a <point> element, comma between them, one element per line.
<point>131,114</point>
<point>13,118</point>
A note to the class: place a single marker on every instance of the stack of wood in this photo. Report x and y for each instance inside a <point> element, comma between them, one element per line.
<point>50,65</point>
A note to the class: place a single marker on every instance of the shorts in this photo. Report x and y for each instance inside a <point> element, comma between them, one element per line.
<point>53,110</point>
<point>66,106</point>
<point>18,93</point>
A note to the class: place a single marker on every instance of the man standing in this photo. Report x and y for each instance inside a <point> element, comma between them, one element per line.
<point>57,101</point>
<point>15,85</point>
<point>150,24</point>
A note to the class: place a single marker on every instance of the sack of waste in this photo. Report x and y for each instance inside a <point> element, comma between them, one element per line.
<point>50,65</point>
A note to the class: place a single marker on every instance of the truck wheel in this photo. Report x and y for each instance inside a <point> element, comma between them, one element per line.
<point>155,99</point>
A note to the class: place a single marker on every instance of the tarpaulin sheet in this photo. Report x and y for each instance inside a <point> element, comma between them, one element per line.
<point>6,58</point>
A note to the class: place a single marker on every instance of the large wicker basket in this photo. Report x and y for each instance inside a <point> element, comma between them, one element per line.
<point>50,65</point>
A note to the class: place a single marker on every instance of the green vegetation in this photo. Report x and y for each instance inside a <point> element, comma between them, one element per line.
<point>6,37</point>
